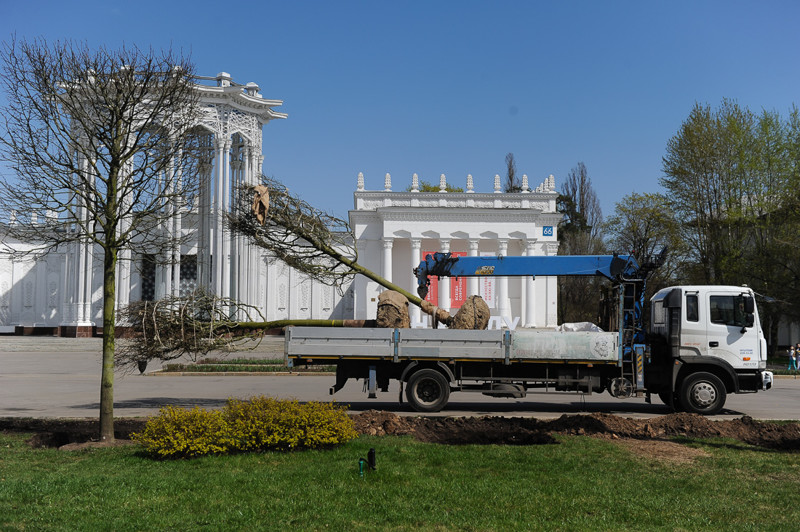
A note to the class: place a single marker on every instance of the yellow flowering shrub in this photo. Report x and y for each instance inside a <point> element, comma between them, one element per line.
<point>181,433</point>
<point>264,423</point>
<point>258,424</point>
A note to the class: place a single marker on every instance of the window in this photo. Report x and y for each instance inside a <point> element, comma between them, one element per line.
<point>692,313</point>
<point>659,316</point>
<point>728,310</point>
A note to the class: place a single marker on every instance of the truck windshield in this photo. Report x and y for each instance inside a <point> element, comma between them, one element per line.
<point>728,310</point>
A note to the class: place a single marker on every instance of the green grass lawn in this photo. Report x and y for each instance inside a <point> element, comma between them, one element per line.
<point>580,483</point>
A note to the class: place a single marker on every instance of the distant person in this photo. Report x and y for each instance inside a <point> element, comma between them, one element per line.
<point>792,358</point>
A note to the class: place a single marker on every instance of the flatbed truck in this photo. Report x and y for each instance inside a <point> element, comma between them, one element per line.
<point>699,344</point>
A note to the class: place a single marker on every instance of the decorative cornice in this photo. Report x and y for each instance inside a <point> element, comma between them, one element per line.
<point>421,214</point>
<point>236,98</point>
<point>541,202</point>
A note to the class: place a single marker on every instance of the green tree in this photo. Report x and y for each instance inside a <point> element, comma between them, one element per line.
<point>731,177</point>
<point>579,233</point>
<point>711,183</point>
<point>643,225</point>
<point>99,145</point>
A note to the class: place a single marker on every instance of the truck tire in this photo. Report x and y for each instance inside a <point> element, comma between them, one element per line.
<point>427,391</point>
<point>702,393</point>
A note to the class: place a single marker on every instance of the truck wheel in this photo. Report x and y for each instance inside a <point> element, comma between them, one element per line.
<point>702,393</point>
<point>428,391</point>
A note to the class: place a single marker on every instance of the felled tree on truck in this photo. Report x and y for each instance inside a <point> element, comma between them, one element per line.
<point>322,246</point>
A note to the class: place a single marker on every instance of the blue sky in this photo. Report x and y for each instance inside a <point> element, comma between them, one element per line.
<point>438,87</point>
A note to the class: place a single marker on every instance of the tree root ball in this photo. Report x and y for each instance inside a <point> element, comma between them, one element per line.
<point>393,311</point>
<point>474,314</point>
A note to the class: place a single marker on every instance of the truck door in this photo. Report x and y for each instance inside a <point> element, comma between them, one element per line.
<point>730,336</point>
<point>694,332</point>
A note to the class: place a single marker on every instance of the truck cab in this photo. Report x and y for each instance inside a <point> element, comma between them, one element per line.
<point>706,342</point>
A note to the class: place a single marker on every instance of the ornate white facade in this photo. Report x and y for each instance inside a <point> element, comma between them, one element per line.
<point>393,229</point>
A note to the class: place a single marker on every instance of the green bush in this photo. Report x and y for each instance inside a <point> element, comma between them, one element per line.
<point>259,424</point>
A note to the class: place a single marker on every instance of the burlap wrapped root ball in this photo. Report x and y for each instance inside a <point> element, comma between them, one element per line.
<point>393,310</point>
<point>473,314</point>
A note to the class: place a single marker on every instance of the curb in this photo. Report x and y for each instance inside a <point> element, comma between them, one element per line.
<point>159,373</point>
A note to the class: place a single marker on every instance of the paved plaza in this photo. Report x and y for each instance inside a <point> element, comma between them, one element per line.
<point>48,377</point>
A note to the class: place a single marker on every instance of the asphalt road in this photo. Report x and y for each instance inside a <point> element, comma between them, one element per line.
<point>55,377</point>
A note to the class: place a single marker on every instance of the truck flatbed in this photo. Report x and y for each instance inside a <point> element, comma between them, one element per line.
<point>525,345</point>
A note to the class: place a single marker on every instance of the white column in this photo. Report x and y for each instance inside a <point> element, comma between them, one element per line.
<point>234,262</point>
<point>203,234</point>
<point>256,255</point>
<point>219,171</point>
<point>226,202</point>
<point>207,219</point>
<point>244,278</point>
<point>165,264</point>
<point>83,264</point>
<point>416,252</point>
<point>251,269</point>
<point>177,226</point>
<point>386,263</point>
<point>503,303</point>
<point>473,283</point>
<point>551,248</point>
<point>529,320</point>
<point>79,299</point>
<point>444,282</point>
<point>124,255</point>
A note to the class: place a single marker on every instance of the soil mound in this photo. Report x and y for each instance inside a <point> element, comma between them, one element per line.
<point>525,431</point>
<point>71,433</point>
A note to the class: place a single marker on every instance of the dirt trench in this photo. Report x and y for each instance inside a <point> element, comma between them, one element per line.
<point>77,433</point>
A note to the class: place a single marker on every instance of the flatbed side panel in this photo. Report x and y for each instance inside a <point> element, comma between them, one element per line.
<point>554,345</point>
<point>335,341</point>
<point>450,344</point>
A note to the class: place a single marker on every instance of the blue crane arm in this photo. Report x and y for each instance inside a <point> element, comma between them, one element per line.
<point>613,267</point>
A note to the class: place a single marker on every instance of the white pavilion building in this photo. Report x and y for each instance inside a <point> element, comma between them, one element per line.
<point>60,293</point>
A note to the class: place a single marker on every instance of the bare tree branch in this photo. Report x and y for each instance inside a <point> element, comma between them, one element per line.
<point>101,149</point>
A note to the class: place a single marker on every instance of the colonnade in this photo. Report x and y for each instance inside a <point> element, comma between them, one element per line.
<point>227,265</point>
<point>531,291</point>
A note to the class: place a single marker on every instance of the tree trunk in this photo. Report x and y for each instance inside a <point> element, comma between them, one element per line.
<point>109,319</point>
<point>412,298</point>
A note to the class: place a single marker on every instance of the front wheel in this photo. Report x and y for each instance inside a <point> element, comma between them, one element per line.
<point>428,391</point>
<point>702,393</point>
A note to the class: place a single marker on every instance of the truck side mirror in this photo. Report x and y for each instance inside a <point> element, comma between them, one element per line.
<point>749,305</point>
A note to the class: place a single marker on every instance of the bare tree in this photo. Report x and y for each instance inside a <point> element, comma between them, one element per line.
<point>100,149</point>
<point>512,181</point>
